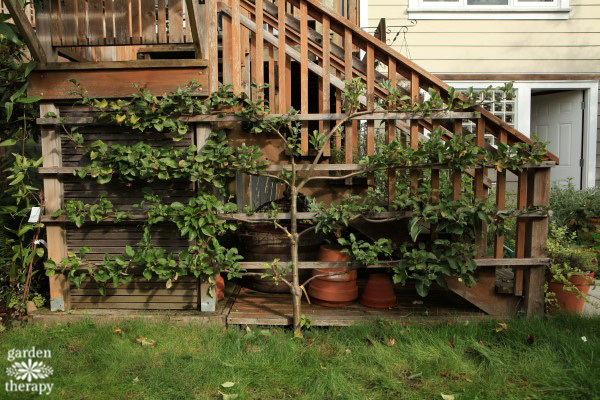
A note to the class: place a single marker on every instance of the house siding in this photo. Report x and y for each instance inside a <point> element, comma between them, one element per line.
<point>499,46</point>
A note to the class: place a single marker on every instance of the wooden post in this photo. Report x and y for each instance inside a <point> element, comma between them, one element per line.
<point>207,295</point>
<point>391,133</point>
<point>480,191</point>
<point>53,196</point>
<point>370,105</point>
<point>537,234</point>
<point>521,234</point>
<point>414,128</point>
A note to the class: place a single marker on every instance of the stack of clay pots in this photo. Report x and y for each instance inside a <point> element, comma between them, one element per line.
<point>336,290</point>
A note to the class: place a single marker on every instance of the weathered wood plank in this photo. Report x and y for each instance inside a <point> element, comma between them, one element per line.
<point>55,85</point>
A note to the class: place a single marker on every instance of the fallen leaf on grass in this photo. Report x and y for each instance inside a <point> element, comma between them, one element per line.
<point>391,342</point>
<point>145,342</point>
<point>501,327</point>
<point>451,342</point>
<point>447,396</point>
<point>348,351</point>
<point>227,384</point>
<point>118,331</point>
<point>136,379</point>
<point>415,376</point>
<point>530,339</point>
<point>226,396</point>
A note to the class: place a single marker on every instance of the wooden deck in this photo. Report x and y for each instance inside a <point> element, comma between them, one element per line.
<point>256,308</point>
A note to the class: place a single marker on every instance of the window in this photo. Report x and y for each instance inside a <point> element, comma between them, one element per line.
<point>496,102</point>
<point>488,9</point>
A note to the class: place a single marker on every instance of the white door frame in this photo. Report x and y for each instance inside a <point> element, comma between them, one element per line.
<point>523,115</point>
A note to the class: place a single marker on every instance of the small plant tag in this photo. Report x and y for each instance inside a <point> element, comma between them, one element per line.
<point>34,216</point>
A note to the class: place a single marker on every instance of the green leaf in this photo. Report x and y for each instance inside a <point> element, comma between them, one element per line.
<point>40,252</point>
<point>8,142</point>
<point>129,251</point>
<point>28,100</point>
<point>177,205</point>
<point>9,109</point>
<point>422,289</point>
<point>147,274</point>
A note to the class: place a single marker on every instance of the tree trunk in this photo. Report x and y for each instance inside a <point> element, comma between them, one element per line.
<point>296,291</point>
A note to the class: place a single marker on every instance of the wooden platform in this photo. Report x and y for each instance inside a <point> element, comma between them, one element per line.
<point>257,308</point>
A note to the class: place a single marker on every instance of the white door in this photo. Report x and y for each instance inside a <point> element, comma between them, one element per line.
<point>557,118</point>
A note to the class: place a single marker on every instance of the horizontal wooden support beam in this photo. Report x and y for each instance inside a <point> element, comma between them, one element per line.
<point>482,262</point>
<point>375,116</point>
<point>303,167</point>
<point>266,217</point>
<point>134,64</point>
<point>115,80</point>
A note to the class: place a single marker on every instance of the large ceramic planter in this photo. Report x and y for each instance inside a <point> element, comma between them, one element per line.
<point>264,242</point>
<point>568,301</point>
<point>379,292</point>
<point>335,290</point>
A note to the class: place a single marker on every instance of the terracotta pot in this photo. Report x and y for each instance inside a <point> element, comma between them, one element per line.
<point>379,292</point>
<point>220,287</point>
<point>334,254</point>
<point>331,293</point>
<point>567,301</point>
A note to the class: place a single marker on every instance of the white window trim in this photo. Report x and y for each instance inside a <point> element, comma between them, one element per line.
<point>523,115</point>
<point>516,9</point>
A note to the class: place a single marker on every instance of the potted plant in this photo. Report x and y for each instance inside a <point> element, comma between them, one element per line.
<point>570,273</point>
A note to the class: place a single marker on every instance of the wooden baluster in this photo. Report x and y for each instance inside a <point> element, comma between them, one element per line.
<point>338,110</point>
<point>304,73</point>
<point>326,81</point>
<point>175,34</point>
<point>370,105</point>
<point>122,25</point>
<point>162,21</point>
<point>272,104</point>
<point>148,21</point>
<point>69,23</point>
<point>500,200</point>
<point>236,47</point>
<point>56,22</point>
<point>226,51</point>
<point>349,126</point>
<point>480,191</point>
<point>391,132</point>
<point>259,67</point>
<point>95,17</point>
<point>456,175</point>
<point>212,26</point>
<point>281,56</point>
<point>521,231</point>
<point>414,127</point>
<point>136,22</point>
<point>109,22</point>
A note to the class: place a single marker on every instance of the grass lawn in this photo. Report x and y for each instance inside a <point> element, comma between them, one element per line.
<point>537,359</point>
